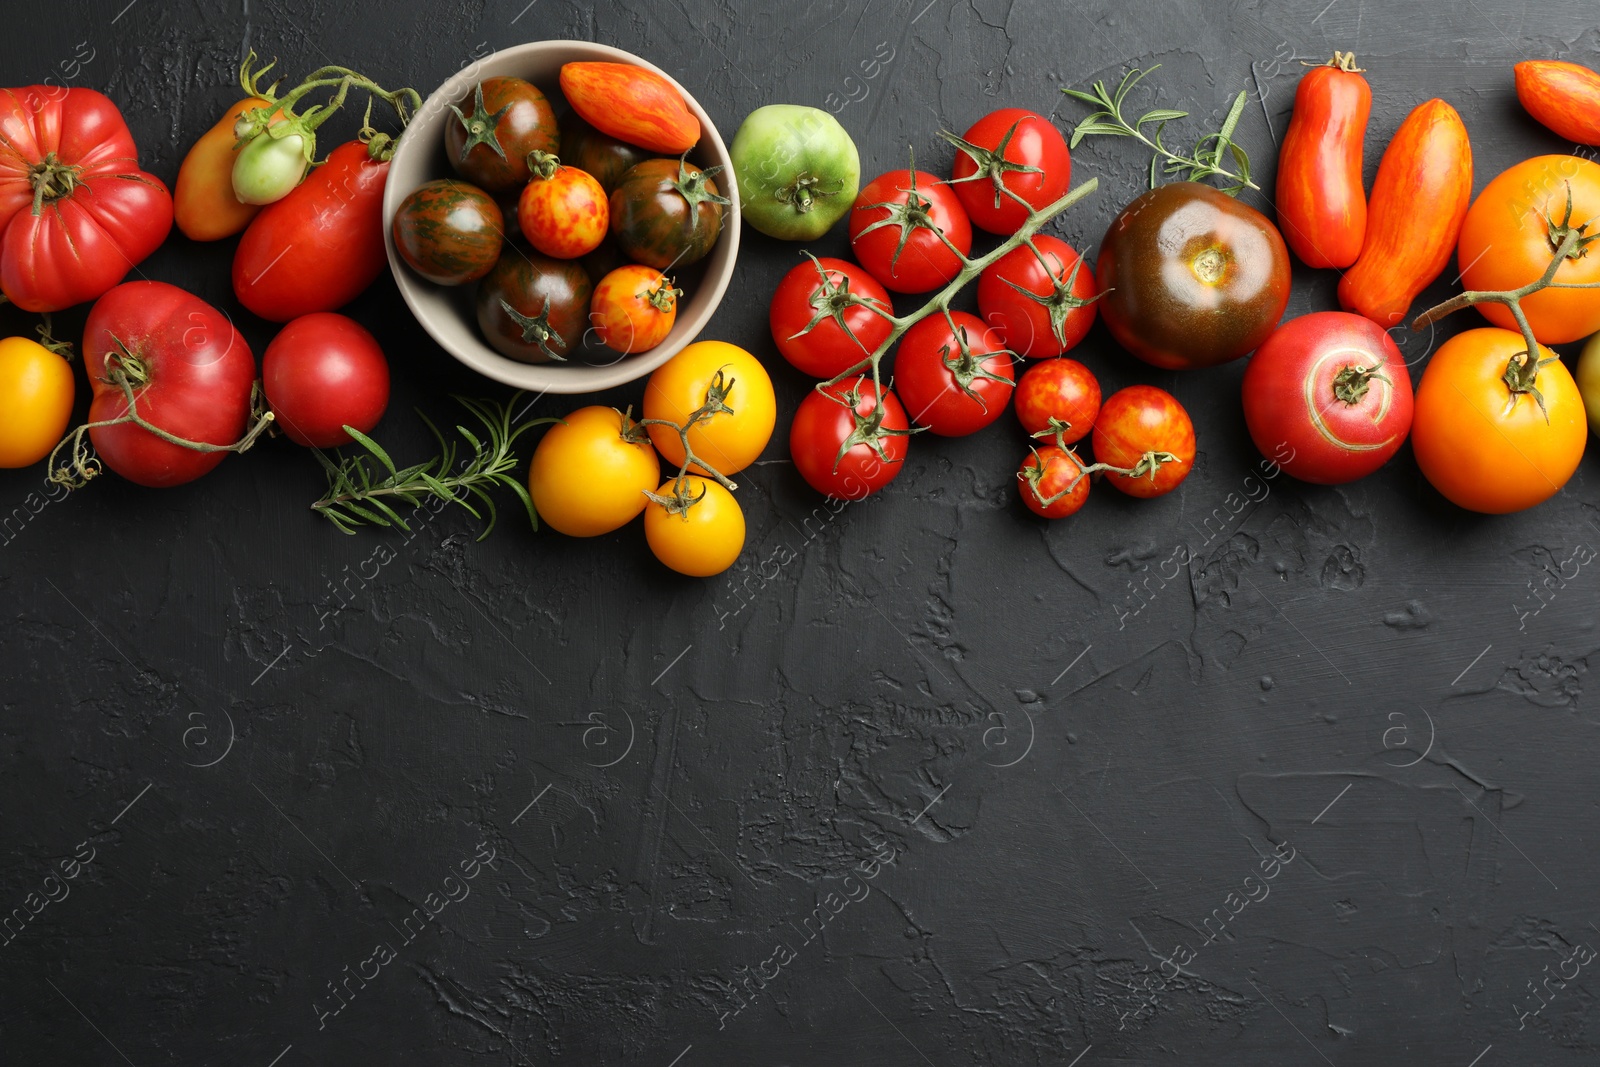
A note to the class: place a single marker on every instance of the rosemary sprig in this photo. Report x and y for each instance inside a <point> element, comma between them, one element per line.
<point>1203,163</point>
<point>359,493</point>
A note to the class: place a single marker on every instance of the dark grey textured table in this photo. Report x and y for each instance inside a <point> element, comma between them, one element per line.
<point>923,780</point>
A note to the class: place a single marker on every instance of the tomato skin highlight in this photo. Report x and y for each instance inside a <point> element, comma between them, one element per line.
<point>1063,389</point>
<point>924,263</point>
<point>930,388</point>
<point>1140,419</point>
<point>702,541</point>
<point>1027,325</point>
<point>1322,208</point>
<point>631,104</point>
<point>1419,200</point>
<point>1563,96</point>
<point>827,349</point>
<point>565,215</point>
<point>324,372</point>
<point>822,424</point>
<point>1035,143</point>
<point>36,393</point>
<point>204,205</point>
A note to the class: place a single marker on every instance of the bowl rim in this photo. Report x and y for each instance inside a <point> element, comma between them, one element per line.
<point>555,377</point>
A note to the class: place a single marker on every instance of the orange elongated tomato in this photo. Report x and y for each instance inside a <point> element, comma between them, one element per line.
<point>1419,200</point>
<point>1563,96</point>
<point>631,104</point>
<point>203,202</point>
<point>1322,209</point>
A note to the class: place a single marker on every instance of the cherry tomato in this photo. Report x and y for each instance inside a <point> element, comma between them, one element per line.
<point>1041,298</point>
<point>1134,423</point>
<point>1062,390</point>
<point>590,472</point>
<point>563,211</point>
<point>492,133</point>
<point>36,393</point>
<point>532,308</point>
<point>822,319</point>
<point>895,227</point>
<point>953,374</point>
<point>844,444</point>
<point>1009,149</point>
<point>1053,482</point>
<point>633,308</point>
<point>1481,434</point>
<point>324,372</point>
<point>729,440</point>
<point>701,540</point>
<point>449,232</point>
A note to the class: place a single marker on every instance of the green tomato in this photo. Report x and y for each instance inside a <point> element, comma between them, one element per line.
<point>798,171</point>
<point>1588,377</point>
<point>268,168</point>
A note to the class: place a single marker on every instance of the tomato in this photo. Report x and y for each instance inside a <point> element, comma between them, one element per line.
<point>204,205</point>
<point>36,394</point>
<point>532,308</point>
<point>1011,160</point>
<point>324,372</point>
<point>599,154</point>
<point>667,213</point>
<point>191,374</point>
<point>449,232</point>
<point>1192,277</point>
<point>1481,435</point>
<point>1322,208</point>
<point>1133,424</point>
<point>633,308</point>
<point>729,440</point>
<point>1511,232</point>
<point>1332,390</point>
<point>1563,96</point>
<point>895,228</point>
<point>798,171</point>
<point>489,145</point>
<point>701,540</point>
<point>318,248</point>
<point>631,104</point>
<point>1058,395</point>
<point>590,472</point>
<point>844,443</point>
<point>953,374</point>
<point>270,165</point>
<point>562,211</point>
<point>1588,377</point>
<point>822,316</point>
<point>1419,200</point>
<point>1054,484</point>
<point>76,212</point>
<point>1040,296</point>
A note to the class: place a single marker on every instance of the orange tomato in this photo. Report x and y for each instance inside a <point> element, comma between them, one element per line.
<point>1511,232</point>
<point>1487,446</point>
<point>1563,96</point>
<point>203,202</point>
<point>633,308</point>
<point>36,393</point>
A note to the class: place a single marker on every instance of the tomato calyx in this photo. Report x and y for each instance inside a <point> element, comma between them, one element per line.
<point>966,367</point>
<point>1033,472</point>
<point>1556,233</point>
<point>868,429</point>
<point>1353,381</point>
<point>1060,302</point>
<point>52,180</point>
<point>481,124</point>
<point>915,214</point>
<point>992,164</point>
<point>536,330</point>
<point>803,193</point>
<point>693,187</point>
<point>1521,377</point>
<point>664,296</point>
<point>1345,61</point>
<point>1055,429</point>
<point>832,299</point>
<point>542,164</point>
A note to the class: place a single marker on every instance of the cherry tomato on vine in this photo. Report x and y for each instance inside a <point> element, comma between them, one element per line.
<point>702,539</point>
<point>324,372</point>
<point>1133,424</point>
<point>449,232</point>
<point>563,212</point>
<point>633,308</point>
<point>729,440</point>
<point>667,213</point>
<point>953,374</point>
<point>822,319</point>
<point>1054,484</point>
<point>844,444</point>
<point>1042,298</point>
<point>1009,149</point>
<point>895,227</point>
<point>36,394</point>
<point>590,472</point>
<point>491,135</point>
<point>1060,389</point>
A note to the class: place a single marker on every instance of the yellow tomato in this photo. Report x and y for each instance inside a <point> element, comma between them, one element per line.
<point>590,472</point>
<point>36,391</point>
<point>699,542</point>
<point>729,440</point>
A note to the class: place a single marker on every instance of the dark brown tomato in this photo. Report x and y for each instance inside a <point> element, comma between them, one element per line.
<point>602,155</point>
<point>666,213</point>
<point>532,308</point>
<point>1191,277</point>
<point>490,134</point>
<point>450,232</point>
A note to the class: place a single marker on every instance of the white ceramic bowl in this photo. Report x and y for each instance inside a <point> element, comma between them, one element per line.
<point>446,312</point>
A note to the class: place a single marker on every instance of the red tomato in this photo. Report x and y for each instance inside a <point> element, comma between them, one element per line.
<point>319,247</point>
<point>822,318</point>
<point>895,229</point>
<point>1054,484</point>
<point>1331,390</point>
<point>1040,297</point>
<point>191,372</point>
<point>1322,209</point>
<point>76,212</point>
<point>947,377</point>
<point>845,445</point>
<point>1062,390</point>
<point>564,214</point>
<point>324,372</point>
<point>1010,149</point>
<point>1136,423</point>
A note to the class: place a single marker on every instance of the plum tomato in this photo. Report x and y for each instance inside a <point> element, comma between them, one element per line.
<point>1010,162</point>
<point>563,211</point>
<point>532,308</point>
<point>591,471</point>
<point>633,308</point>
<point>489,145</point>
<point>1058,396</point>
<point>1054,483</point>
<point>953,374</point>
<point>667,213</point>
<point>822,316</point>
<point>324,372</point>
<point>1040,296</point>
<point>699,540</point>
<point>732,438</point>
<point>1145,431</point>
<point>36,393</point>
<point>844,443</point>
<point>896,226</point>
<point>449,232</point>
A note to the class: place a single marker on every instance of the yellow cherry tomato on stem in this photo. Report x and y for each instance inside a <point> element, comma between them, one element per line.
<point>729,440</point>
<point>36,393</point>
<point>703,539</point>
<point>591,471</point>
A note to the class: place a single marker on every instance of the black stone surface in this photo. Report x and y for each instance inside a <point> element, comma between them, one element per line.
<point>1046,756</point>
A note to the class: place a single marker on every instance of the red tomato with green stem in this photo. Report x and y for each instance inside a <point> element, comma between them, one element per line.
<point>953,374</point>
<point>1322,208</point>
<point>846,444</point>
<point>1058,396</point>
<point>562,211</point>
<point>1147,436</point>
<point>1055,483</point>
<point>633,308</point>
<point>1040,296</point>
<point>827,315</point>
<point>324,372</point>
<point>910,231</point>
<point>1010,162</point>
